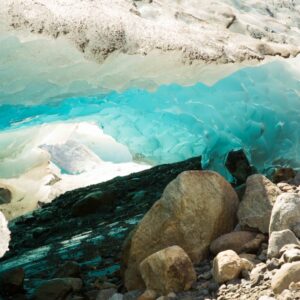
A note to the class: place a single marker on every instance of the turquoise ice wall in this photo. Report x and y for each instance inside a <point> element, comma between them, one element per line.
<point>257,109</point>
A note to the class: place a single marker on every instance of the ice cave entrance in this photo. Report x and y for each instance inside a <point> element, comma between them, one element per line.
<point>66,141</point>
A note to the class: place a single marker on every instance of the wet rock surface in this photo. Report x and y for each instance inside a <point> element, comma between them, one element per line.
<point>47,238</point>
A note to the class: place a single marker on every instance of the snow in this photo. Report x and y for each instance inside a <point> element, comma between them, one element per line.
<point>4,235</point>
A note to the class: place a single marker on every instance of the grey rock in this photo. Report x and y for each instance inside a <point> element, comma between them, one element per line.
<point>106,294</point>
<point>5,196</point>
<point>278,239</point>
<point>116,296</point>
<point>258,200</point>
<point>286,212</point>
<point>290,253</point>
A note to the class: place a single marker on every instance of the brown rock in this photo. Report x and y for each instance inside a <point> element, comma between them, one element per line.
<point>195,208</point>
<point>68,269</point>
<point>287,274</point>
<point>57,288</point>
<point>168,270</point>
<point>256,206</point>
<point>238,241</point>
<point>227,265</point>
<point>12,281</point>
<point>5,195</point>
<point>283,174</point>
<point>148,295</point>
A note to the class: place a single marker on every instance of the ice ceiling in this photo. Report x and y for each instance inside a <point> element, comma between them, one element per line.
<point>255,108</point>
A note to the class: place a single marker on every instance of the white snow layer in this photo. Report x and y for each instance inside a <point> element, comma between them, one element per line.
<point>4,235</point>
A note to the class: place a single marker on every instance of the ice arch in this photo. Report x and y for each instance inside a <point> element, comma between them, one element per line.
<point>257,109</point>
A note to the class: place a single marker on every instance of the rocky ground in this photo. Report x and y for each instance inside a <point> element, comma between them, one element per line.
<point>203,239</point>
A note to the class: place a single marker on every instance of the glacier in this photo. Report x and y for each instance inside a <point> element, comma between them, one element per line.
<point>256,108</point>
<point>90,90</point>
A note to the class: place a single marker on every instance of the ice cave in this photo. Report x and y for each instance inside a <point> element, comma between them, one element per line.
<point>85,100</point>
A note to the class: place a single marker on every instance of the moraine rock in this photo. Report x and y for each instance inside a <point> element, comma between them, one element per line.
<point>258,200</point>
<point>290,253</point>
<point>5,195</point>
<point>116,296</point>
<point>68,269</point>
<point>238,241</point>
<point>168,270</point>
<point>106,294</point>
<point>12,281</point>
<point>132,295</point>
<point>278,239</point>
<point>286,213</point>
<point>195,208</point>
<point>288,273</point>
<point>283,174</point>
<point>93,203</point>
<point>58,288</point>
<point>148,295</point>
<point>227,265</point>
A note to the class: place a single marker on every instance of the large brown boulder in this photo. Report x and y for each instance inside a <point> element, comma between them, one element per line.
<point>258,200</point>
<point>195,208</point>
<point>168,270</point>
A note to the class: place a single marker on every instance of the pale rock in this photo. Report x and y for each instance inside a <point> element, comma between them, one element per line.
<point>247,264</point>
<point>290,253</point>
<point>148,295</point>
<point>227,265</point>
<point>286,212</point>
<point>257,274</point>
<point>168,270</point>
<point>116,296</point>
<point>287,274</point>
<point>195,208</point>
<point>258,200</point>
<point>286,295</point>
<point>278,239</point>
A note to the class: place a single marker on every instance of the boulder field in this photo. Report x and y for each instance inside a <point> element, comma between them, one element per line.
<point>171,232</point>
